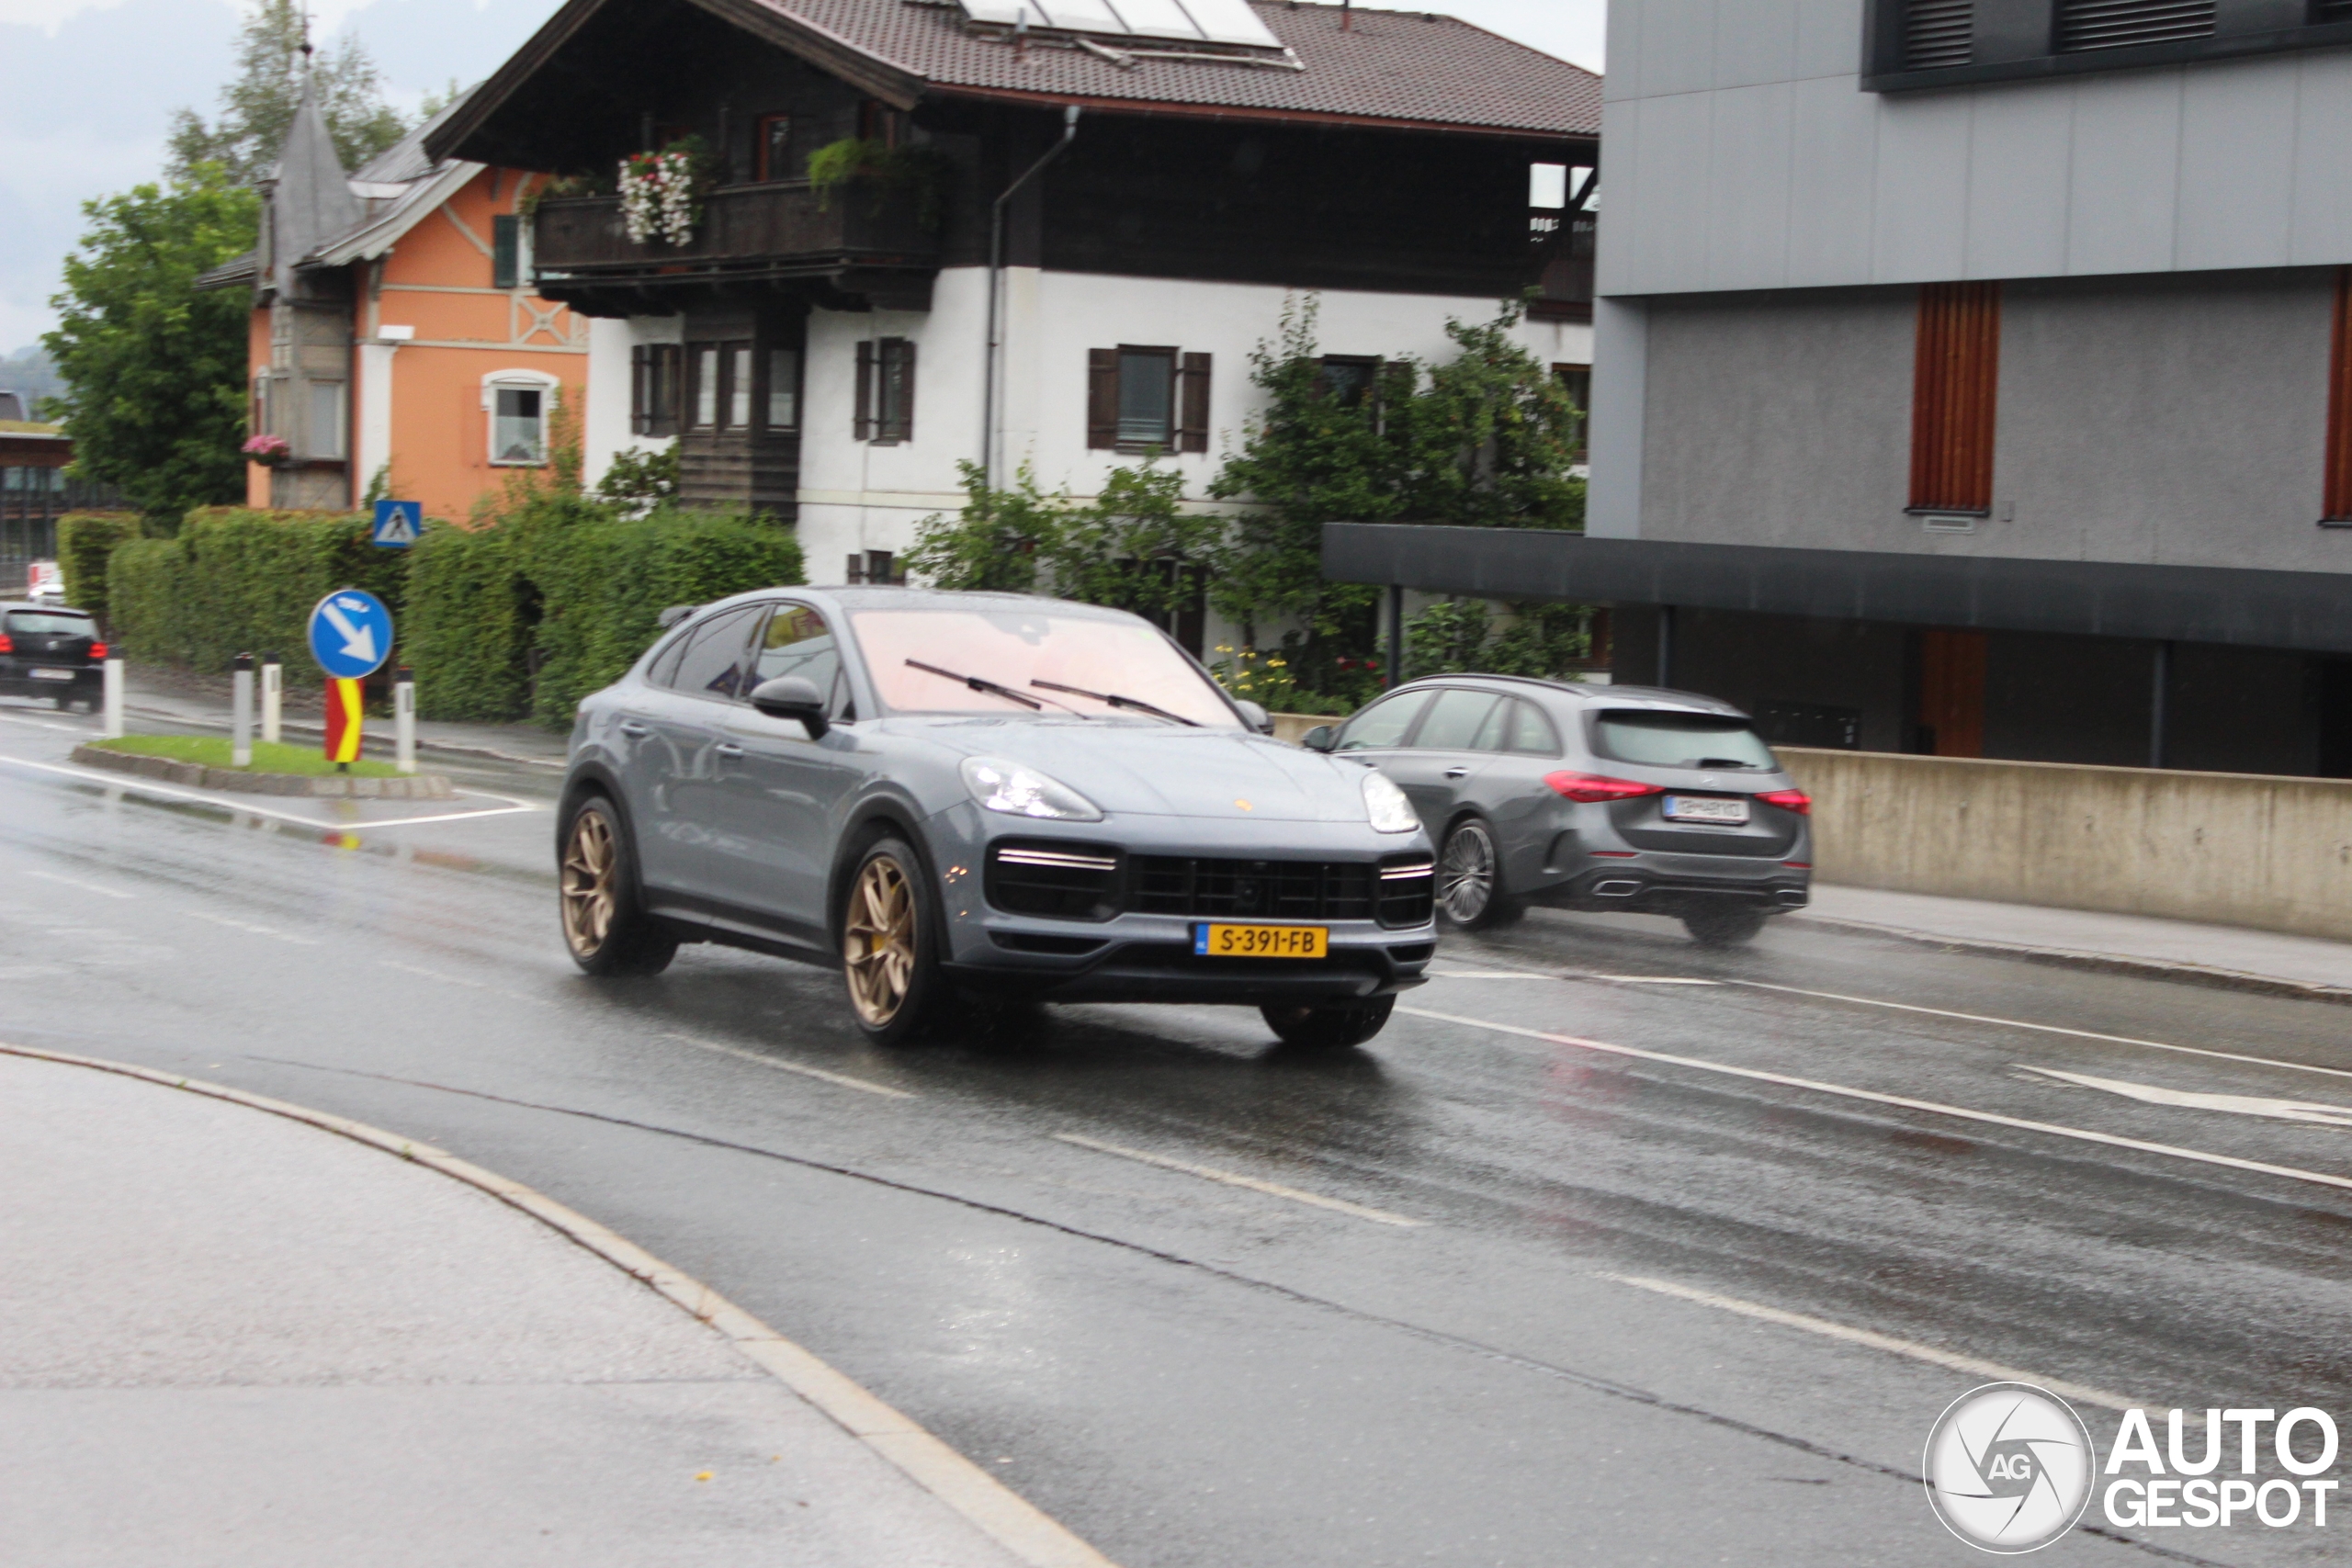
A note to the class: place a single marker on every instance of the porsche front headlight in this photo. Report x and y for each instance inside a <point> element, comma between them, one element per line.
<point>1019,791</point>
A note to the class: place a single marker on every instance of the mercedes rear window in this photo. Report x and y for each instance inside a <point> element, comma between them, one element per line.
<point>44,623</point>
<point>1651,739</point>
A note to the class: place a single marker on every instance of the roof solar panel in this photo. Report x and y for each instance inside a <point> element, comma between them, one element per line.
<point>1005,11</point>
<point>1157,18</point>
<point>1231,21</point>
<point>1081,15</point>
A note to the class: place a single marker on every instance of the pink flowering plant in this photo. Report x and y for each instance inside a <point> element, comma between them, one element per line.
<point>662,192</point>
<point>269,451</point>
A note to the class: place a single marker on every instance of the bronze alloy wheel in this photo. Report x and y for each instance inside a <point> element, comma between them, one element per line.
<point>879,940</point>
<point>1465,873</point>
<point>589,901</point>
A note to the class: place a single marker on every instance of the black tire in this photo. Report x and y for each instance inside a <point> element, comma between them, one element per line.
<point>1470,892</point>
<point>888,922</point>
<point>1340,1028</point>
<point>1724,925</point>
<point>606,927</point>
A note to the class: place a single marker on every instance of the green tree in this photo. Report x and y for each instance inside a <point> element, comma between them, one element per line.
<point>991,545</point>
<point>155,372</point>
<point>1488,442</point>
<point>1135,549</point>
<point>257,106</point>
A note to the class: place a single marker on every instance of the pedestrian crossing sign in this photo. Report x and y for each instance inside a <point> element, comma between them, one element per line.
<point>398,523</point>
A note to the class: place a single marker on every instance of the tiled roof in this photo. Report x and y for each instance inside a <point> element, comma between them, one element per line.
<point>406,160</point>
<point>1410,66</point>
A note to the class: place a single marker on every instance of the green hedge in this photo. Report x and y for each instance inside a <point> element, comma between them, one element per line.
<point>148,602</point>
<point>85,540</point>
<point>603,585</point>
<point>467,632</point>
<point>259,574</point>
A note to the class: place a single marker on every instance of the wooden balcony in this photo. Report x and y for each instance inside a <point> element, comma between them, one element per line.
<point>1564,270</point>
<point>873,245</point>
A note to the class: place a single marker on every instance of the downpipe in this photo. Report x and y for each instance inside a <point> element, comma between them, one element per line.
<point>996,274</point>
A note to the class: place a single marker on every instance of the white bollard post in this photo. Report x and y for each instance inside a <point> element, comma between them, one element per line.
<point>113,694</point>
<point>273,693</point>
<point>404,719</point>
<point>241,714</point>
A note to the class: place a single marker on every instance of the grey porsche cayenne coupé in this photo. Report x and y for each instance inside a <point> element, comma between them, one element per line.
<point>944,794</point>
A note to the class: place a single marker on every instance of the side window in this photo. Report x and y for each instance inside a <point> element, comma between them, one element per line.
<point>798,642</point>
<point>1455,721</point>
<point>1383,724</point>
<point>886,391</point>
<point>1533,734</point>
<point>719,657</point>
<point>1138,398</point>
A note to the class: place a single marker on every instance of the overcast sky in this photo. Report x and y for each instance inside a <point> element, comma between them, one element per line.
<point>87,87</point>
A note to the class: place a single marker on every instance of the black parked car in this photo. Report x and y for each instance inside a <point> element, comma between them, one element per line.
<point>50,652</point>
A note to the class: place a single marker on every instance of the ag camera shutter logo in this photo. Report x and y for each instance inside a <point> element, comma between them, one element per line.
<point>2009,1468</point>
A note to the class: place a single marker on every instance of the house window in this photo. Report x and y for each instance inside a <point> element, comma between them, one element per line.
<point>880,122</point>
<point>772,148</point>
<point>1139,398</point>
<point>1577,381</point>
<point>886,391</point>
<point>2339,406</point>
<point>878,568</point>
<point>784,388</point>
<point>739,386</point>
<point>1955,384</point>
<point>518,403</point>
<point>706,387</point>
<point>1348,379</point>
<point>655,371</point>
<point>506,250</point>
<point>326,417</point>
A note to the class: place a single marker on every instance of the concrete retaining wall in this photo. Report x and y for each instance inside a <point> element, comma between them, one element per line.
<point>2232,849</point>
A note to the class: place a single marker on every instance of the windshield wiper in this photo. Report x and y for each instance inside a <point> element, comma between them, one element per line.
<point>1133,704</point>
<point>992,688</point>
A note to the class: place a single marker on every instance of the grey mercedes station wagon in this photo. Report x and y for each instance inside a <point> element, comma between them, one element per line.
<point>1590,797</point>
<point>943,794</point>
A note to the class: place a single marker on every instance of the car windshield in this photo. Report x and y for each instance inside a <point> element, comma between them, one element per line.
<point>36,622</point>
<point>1656,740</point>
<point>1013,648</point>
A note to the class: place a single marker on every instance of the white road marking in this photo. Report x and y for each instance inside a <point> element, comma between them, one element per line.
<point>2052,1029</point>
<point>1234,1179</point>
<point>2238,1104</point>
<point>1994,1370</point>
<point>1989,1117</point>
<point>1647,980</point>
<point>135,784</point>
<point>843,1079</point>
<point>45,723</point>
<point>249,927</point>
<point>458,980</point>
<point>1485,974</point>
<point>85,887</point>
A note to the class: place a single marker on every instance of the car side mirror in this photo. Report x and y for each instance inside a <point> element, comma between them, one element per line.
<point>1322,738</point>
<point>792,696</point>
<point>1256,716</point>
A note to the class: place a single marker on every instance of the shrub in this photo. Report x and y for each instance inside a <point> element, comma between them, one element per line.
<point>254,577</point>
<point>147,600</point>
<point>603,582</point>
<point>85,540</point>
<point>467,626</point>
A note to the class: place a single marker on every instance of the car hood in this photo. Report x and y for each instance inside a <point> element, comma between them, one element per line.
<point>1160,769</point>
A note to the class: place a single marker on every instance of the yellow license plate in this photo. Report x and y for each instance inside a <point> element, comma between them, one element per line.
<point>1261,941</point>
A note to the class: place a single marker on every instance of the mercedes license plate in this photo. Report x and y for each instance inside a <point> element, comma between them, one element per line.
<point>1730,811</point>
<point>1261,941</point>
<point>53,674</point>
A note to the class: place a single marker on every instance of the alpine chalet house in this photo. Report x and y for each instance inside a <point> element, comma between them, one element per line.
<point>1046,234</point>
<point>394,331</point>
<point>1976,376</point>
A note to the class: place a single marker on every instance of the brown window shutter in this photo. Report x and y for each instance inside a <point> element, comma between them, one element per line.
<point>1956,383</point>
<point>1101,399</point>
<point>1193,405</point>
<point>2339,406</point>
<point>865,425</point>
<point>640,404</point>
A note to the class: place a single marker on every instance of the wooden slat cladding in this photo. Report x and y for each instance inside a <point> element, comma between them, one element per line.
<point>2339,406</point>
<point>1954,396</point>
<point>1938,33</point>
<point>2119,24</point>
<point>1952,691</point>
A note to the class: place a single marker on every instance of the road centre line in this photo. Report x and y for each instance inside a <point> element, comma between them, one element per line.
<point>843,1079</point>
<point>1933,1107</point>
<point>1234,1179</point>
<point>133,784</point>
<point>1994,1370</point>
<point>2315,1112</point>
<point>2049,1029</point>
<point>85,887</point>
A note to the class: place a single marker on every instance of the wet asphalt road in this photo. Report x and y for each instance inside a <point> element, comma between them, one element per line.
<point>1492,1298</point>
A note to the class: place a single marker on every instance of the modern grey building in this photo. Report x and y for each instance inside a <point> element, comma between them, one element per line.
<point>1976,376</point>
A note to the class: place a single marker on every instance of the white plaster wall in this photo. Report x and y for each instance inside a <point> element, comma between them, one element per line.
<point>856,496</point>
<point>604,430</point>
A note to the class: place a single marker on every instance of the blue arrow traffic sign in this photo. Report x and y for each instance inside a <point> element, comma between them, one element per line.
<point>398,524</point>
<point>351,634</point>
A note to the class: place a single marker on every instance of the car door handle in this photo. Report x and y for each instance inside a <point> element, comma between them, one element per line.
<point>730,751</point>
<point>1457,773</point>
<point>633,730</point>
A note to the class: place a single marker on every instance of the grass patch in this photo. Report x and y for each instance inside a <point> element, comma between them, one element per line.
<point>212,751</point>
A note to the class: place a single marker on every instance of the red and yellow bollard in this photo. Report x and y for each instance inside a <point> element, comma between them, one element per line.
<point>343,721</point>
